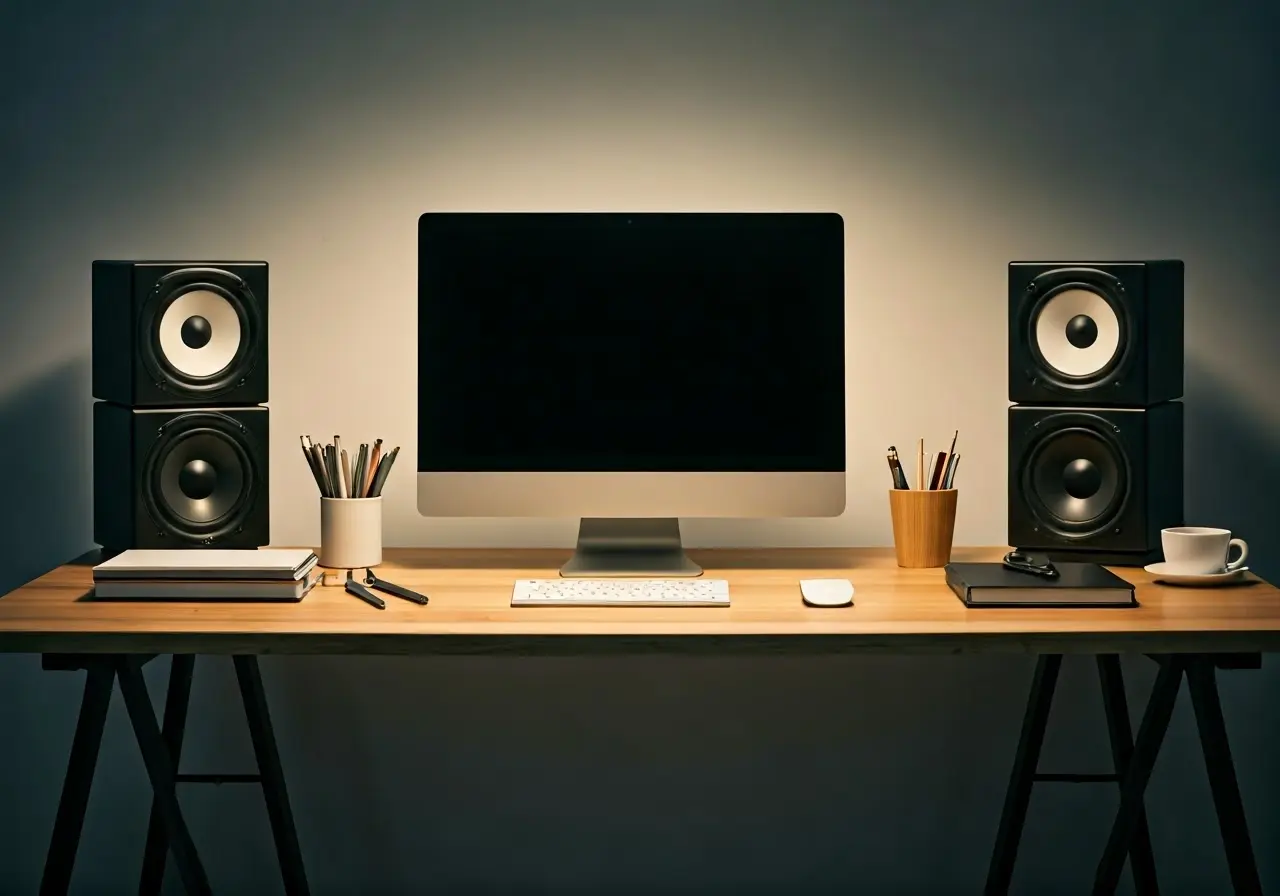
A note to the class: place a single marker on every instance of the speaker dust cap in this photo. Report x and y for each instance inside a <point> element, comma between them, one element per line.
<point>200,328</point>
<point>1077,327</point>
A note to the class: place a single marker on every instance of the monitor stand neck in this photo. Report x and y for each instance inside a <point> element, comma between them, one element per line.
<point>618,548</point>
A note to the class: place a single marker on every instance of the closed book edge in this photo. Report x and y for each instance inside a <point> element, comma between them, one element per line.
<point>1078,585</point>
<point>204,589</point>
<point>278,564</point>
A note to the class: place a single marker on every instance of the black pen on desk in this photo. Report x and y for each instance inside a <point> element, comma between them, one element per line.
<point>360,591</point>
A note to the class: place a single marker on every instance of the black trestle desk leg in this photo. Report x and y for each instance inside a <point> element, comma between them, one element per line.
<point>1018,797</point>
<point>1120,732</point>
<point>65,841</point>
<point>155,756</point>
<point>272,772</point>
<point>176,703</point>
<point>1203,685</point>
<point>1133,785</point>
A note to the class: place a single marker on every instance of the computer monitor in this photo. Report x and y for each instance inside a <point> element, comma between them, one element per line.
<point>630,370</point>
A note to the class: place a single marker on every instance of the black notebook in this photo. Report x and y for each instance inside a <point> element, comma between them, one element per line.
<point>1077,585</point>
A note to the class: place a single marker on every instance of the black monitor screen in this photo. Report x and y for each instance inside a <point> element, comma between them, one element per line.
<point>585,342</point>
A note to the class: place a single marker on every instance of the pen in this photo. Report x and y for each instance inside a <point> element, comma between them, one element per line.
<point>920,465</point>
<point>895,464</point>
<point>384,468</point>
<point>371,469</point>
<point>311,465</point>
<point>354,587</point>
<point>951,477</point>
<point>357,475</point>
<point>935,476</point>
<point>331,468</point>
<point>399,591</point>
<point>318,455</point>
<point>340,467</point>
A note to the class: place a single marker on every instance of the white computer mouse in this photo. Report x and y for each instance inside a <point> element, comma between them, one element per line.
<point>826,592</point>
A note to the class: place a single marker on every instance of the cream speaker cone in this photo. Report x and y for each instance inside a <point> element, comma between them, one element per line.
<point>211,338</point>
<point>1078,333</point>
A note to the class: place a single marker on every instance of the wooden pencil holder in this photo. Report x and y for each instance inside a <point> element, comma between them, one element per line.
<point>923,524</point>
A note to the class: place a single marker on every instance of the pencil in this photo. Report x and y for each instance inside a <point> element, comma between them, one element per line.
<point>384,470</point>
<point>920,465</point>
<point>324,475</point>
<point>311,463</point>
<point>372,468</point>
<point>346,476</point>
<point>357,475</point>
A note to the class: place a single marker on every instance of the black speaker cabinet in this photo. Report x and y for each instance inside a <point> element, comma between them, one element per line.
<point>171,334</point>
<point>1094,484</point>
<point>180,478</point>
<point>1095,334</point>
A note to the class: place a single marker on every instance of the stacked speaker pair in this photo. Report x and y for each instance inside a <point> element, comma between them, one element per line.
<point>180,436</point>
<point>1096,429</point>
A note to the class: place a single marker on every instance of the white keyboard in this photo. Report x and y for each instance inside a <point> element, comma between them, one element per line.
<point>620,593</point>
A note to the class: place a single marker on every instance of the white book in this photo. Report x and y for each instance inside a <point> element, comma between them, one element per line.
<point>208,564</point>
<point>180,589</point>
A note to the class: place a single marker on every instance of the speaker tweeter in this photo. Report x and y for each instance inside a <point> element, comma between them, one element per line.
<point>169,333</point>
<point>1095,333</point>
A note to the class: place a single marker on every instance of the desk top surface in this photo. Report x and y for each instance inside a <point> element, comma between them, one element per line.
<point>895,610</point>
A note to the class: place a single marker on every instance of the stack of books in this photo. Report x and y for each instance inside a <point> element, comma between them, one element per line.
<point>207,574</point>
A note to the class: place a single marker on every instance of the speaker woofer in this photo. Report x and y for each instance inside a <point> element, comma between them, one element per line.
<point>200,476</point>
<point>200,329</point>
<point>1078,328</point>
<point>1076,479</point>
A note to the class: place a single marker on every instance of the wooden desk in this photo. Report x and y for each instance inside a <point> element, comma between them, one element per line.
<point>908,611</point>
<point>896,610</point>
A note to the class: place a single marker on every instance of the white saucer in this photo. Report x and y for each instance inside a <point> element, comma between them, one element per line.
<point>1163,574</point>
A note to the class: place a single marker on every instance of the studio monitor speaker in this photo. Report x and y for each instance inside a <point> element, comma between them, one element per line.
<point>1096,431</point>
<point>180,478</point>
<point>179,438</point>
<point>1095,333</point>
<point>1094,484</point>
<point>171,334</point>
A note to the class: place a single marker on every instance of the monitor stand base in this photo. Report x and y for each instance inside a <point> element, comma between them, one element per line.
<point>629,548</point>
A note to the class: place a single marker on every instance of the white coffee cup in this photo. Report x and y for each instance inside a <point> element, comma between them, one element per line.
<point>1201,550</point>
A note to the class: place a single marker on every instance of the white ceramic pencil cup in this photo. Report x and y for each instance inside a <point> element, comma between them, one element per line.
<point>350,532</point>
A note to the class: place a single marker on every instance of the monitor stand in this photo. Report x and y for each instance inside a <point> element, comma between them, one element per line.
<point>620,548</point>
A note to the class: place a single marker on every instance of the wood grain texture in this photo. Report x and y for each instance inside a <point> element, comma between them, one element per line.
<point>895,610</point>
<point>924,522</point>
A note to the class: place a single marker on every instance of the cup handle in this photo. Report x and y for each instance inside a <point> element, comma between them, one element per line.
<point>1244,553</point>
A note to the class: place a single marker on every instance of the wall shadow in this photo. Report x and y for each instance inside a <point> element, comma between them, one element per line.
<point>1232,471</point>
<point>47,455</point>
